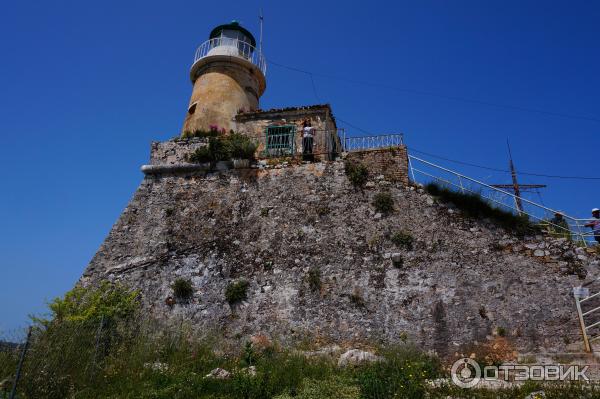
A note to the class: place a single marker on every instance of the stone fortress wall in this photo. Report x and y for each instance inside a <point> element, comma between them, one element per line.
<point>460,282</point>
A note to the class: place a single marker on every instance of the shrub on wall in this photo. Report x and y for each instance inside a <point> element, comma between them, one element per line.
<point>201,155</point>
<point>200,134</point>
<point>83,304</point>
<point>314,279</point>
<point>473,205</point>
<point>240,146</point>
<point>357,173</point>
<point>384,203</point>
<point>224,148</point>
<point>236,291</point>
<point>403,240</point>
<point>182,289</point>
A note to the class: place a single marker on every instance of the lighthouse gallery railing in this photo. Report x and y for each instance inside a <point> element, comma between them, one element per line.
<point>243,50</point>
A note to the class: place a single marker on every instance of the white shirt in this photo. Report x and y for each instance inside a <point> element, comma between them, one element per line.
<point>307,131</point>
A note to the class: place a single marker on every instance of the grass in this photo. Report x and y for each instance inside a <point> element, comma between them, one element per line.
<point>63,363</point>
<point>132,361</point>
<point>475,206</point>
<point>88,353</point>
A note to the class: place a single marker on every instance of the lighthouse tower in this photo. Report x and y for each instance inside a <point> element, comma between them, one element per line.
<point>228,75</point>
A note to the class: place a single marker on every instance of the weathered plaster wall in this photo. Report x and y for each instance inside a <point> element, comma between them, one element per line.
<point>254,125</point>
<point>461,281</point>
<point>221,90</point>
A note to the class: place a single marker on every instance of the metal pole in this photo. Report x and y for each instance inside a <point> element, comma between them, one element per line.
<point>581,237</point>
<point>412,172</point>
<point>586,341</point>
<point>261,19</point>
<point>20,366</point>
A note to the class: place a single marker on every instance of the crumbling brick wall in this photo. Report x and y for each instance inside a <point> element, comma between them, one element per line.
<point>392,163</point>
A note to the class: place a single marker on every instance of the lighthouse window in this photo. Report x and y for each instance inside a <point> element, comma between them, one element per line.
<point>192,108</point>
<point>280,140</point>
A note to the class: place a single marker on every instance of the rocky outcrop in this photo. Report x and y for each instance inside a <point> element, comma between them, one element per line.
<point>322,262</point>
<point>355,357</point>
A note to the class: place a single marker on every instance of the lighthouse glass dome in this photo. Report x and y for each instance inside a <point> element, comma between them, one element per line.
<point>234,41</point>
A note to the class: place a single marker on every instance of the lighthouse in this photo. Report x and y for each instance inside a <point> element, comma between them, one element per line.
<point>228,77</point>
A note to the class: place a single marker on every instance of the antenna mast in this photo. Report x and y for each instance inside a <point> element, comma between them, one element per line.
<point>261,20</point>
<point>515,186</point>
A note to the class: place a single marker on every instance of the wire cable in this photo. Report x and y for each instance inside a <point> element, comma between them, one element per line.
<point>439,95</point>
<point>312,74</point>
<point>504,170</point>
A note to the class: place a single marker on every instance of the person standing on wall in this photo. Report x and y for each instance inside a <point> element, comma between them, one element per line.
<point>307,142</point>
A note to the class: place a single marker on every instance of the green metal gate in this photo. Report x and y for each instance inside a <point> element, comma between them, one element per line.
<point>280,140</point>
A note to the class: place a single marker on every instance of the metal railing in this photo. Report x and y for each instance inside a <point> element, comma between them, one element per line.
<point>231,47</point>
<point>587,306</point>
<point>365,143</point>
<point>424,172</point>
<point>288,141</point>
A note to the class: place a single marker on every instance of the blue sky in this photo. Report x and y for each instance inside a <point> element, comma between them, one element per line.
<point>86,86</point>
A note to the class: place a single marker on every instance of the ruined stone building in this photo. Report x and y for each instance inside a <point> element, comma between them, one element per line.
<point>279,221</point>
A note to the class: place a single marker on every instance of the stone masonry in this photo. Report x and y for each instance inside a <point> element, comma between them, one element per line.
<point>391,163</point>
<point>459,282</point>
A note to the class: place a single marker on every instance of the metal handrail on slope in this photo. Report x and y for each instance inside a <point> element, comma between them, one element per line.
<point>499,197</point>
<point>589,327</point>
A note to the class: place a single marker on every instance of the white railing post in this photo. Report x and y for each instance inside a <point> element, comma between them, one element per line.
<point>577,293</point>
<point>580,234</point>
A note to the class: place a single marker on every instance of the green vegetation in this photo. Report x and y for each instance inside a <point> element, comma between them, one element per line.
<point>236,291</point>
<point>357,173</point>
<point>224,148</point>
<point>384,203</point>
<point>401,375</point>
<point>334,387</point>
<point>403,240</point>
<point>200,134</point>
<point>96,346</point>
<point>501,331</point>
<point>240,146</point>
<point>314,279</point>
<point>474,206</point>
<point>182,290</point>
<point>84,305</point>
